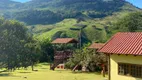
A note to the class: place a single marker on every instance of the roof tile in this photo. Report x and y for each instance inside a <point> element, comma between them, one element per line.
<point>65,40</point>
<point>124,43</point>
<point>96,45</point>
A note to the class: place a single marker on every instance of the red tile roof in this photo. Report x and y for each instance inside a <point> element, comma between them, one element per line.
<point>65,40</point>
<point>96,46</point>
<point>124,43</point>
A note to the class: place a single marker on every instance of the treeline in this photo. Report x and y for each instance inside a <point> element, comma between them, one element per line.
<point>18,48</point>
<point>34,16</point>
<point>43,12</point>
<point>130,23</point>
<point>90,5</point>
<point>41,16</point>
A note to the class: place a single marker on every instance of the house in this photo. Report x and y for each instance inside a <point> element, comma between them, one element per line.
<point>124,51</point>
<point>96,46</point>
<point>61,55</point>
<point>64,41</point>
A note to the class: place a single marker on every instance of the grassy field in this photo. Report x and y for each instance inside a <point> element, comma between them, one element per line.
<point>44,73</point>
<point>59,29</point>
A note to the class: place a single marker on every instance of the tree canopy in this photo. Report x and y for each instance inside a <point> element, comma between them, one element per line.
<point>130,23</point>
<point>13,50</point>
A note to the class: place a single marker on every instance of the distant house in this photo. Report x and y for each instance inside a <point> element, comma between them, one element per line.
<point>124,52</point>
<point>64,41</point>
<point>96,46</point>
<point>61,56</point>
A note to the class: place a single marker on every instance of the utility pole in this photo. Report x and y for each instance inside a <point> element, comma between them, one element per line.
<point>80,33</point>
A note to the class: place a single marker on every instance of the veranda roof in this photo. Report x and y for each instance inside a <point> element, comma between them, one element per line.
<point>124,43</point>
<point>64,40</point>
<point>96,46</point>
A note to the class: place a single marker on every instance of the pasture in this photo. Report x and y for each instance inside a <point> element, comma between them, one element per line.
<point>43,73</point>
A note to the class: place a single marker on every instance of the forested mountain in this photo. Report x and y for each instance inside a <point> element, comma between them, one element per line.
<point>79,5</point>
<point>54,18</point>
<point>7,4</point>
<point>52,11</point>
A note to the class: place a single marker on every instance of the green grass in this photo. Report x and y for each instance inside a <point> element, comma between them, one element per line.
<point>53,31</point>
<point>44,73</point>
<point>65,25</point>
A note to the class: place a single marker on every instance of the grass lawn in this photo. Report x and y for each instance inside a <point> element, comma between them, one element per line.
<point>44,73</point>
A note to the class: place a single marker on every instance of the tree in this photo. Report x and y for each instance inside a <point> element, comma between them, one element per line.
<point>46,51</point>
<point>87,58</point>
<point>17,47</point>
<point>13,37</point>
<point>130,23</point>
<point>33,51</point>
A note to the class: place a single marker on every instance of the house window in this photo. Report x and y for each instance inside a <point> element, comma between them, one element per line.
<point>130,70</point>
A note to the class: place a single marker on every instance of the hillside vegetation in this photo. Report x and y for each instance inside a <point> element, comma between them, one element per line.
<point>98,30</point>
<point>52,11</point>
<point>54,18</point>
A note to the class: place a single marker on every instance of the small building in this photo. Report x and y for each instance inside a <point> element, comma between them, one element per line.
<point>64,41</point>
<point>124,51</point>
<point>96,46</point>
<point>61,55</point>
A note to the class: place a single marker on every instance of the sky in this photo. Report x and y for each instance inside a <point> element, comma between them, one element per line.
<point>137,3</point>
<point>21,0</point>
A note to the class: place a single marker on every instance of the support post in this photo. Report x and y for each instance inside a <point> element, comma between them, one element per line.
<point>103,66</point>
<point>109,68</point>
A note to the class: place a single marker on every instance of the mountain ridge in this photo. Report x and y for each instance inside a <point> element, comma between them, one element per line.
<point>64,9</point>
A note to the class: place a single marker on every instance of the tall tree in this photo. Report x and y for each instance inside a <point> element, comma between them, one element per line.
<point>46,51</point>
<point>34,51</point>
<point>17,48</point>
<point>13,37</point>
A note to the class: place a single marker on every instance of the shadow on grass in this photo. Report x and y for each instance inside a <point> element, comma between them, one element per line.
<point>24,72</point>
<point>5,74</point>
<point>79,72</point>
<point>42,64</point>
<point>43,68</point>
<point>61,70</point>
<point>45,64</point>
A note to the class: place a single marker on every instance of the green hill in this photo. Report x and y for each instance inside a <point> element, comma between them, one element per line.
<point>53,11</point>
<point>54,18</point>
<point>97,29</point>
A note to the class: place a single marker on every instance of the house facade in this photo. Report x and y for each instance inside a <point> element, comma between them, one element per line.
<point>125,67</point>
<point>124,51</point>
